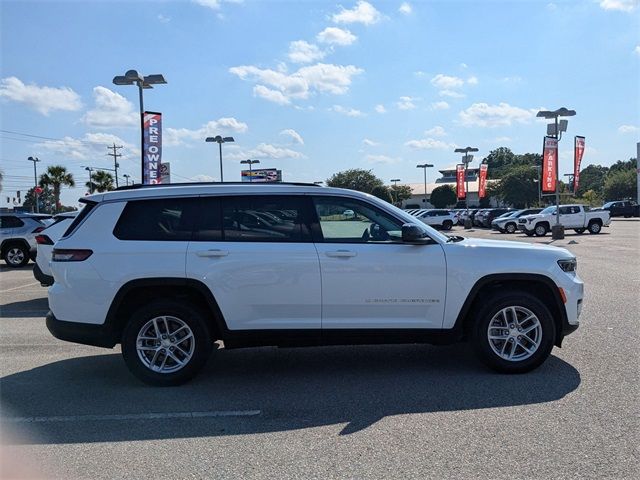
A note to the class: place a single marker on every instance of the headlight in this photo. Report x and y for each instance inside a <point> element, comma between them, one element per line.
<point>568,265</point>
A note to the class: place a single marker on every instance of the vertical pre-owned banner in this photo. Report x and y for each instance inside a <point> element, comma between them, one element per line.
<point>460,181</point>
<point>152,147</point>
<point>578,152</point>
<point>549,159</point>
<point>482,184</point>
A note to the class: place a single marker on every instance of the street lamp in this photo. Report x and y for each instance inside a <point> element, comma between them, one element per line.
<point>395,186</point>
<point>424,166</point>
<point>250,162</point>
<point>35,180</point>
<point>557,231</point>
<point>126,178</point>
<point>220,140</point>
<point>132,77</point>
<point>466,159</point>
<point>90,170</point>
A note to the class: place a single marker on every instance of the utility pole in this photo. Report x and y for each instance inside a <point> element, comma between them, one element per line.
<point>115,156</point>
<point>35,180</point>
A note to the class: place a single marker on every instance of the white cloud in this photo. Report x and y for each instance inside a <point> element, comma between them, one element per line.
<point>336,36</point>
<point>429,144</point>
<point>498,140</point>
<point>163,18</point>
<point>446,81</point>
<point>111,110</point>
<point>464,65</point>
<point>637,50</point>
<point>503,114</point>
<point>41,99</point>
<point>442,105</point>
<point>321,77</point>
<point>304,52</point>
<point>406,103</point>
<point>552,6</point>
<point>382,159</point>
<point>512,79</point>
<point>349,112</point>
<point>628,129</point>
<point>265,150</point>
<point>214,4</point>
<point>295,136</point>
<point>451,94</point>
<point>620,5</point>
<point>436,131</point>
<point>370,143</point>
<point>274,96</point>
<point>179,136</point>
<point>202,178</point>
<point>380,108</point>
<point>363,12</point>
<point>472,80</point>
<point>90,146</point>
<point>406,8</point>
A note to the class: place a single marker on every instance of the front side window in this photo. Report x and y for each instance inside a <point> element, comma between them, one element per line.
<point>343,220</point>
<point>166,219</point>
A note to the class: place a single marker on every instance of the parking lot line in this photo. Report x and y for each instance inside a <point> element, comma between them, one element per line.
<point>18,288</point>
<point>132,416</point>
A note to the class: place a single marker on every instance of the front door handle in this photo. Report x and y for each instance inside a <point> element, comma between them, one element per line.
<point>341,253</point>
<point>212,253</point>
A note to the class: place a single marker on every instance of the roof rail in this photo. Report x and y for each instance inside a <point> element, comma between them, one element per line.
<point>190,184</point>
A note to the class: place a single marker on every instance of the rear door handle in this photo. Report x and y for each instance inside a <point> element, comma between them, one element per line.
<point>212,253</point>
<point>341,253</point>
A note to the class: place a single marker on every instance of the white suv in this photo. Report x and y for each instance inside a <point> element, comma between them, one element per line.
<point>168,270</point>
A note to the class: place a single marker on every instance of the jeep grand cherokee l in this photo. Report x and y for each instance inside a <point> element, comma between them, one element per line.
<point>168,270</point>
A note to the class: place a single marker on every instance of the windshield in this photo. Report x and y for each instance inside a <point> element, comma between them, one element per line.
<point>548,211</point>
<point>508,214</point>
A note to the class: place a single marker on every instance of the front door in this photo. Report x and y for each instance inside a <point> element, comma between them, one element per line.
<point>370,279</point>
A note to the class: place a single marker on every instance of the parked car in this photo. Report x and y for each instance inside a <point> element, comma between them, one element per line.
<point>167,271</point>
<point>467,214</point>
<point>478,218</point>
<point>492,213</point>
<point>576,217</point>
<point>508,222</point>
<point>45,241</point>
<point>623,208</point>
<point>443,219</point>
<point>17,237</point>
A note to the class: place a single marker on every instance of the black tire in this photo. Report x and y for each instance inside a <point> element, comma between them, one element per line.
<point>510,228</point>
<point>594,227</point>
<point>528,234</point>
<point>579,231</point>
<point>194,318</point>
<point>15,255</point>
<point>541,230</point>
<point>447,224</point>
<point>492,306</point>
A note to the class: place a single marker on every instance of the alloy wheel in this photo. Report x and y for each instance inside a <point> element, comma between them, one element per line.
<point>15,256</point>
<point>165,344</point>
<point>514,333</point>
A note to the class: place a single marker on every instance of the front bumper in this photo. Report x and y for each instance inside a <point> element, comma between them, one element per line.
<point>44,279</point>
<point>84,333</point>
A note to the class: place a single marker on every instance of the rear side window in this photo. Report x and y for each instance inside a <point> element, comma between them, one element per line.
<point>10,222</point>
<point>268,218</point>
<point>167,219</point>
<point>81,216</point>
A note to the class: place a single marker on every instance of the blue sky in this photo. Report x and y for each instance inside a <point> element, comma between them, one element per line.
<point>314,87</point>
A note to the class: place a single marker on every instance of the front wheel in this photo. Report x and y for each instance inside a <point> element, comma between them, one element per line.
<point>513,333</point>
<point>16,255</point>
<point>595,227</point>
<point>541,230</point>
<point>447,225</point>
<point>166,343</point>
<point>510,227</point>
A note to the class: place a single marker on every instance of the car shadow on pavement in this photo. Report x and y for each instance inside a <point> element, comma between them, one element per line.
<point>35,307</point>
<point>292,389</point>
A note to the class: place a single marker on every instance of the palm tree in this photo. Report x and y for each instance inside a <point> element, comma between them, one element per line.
<point>56,177</point>
<point>101,181</point>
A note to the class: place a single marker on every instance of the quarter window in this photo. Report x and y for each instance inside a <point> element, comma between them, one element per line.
<point>167,219</point>
<point>10,222</point>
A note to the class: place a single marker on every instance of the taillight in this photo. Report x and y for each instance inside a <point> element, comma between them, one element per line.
<point>70,255</point>
<point>38,230</point>
<point>43,240</point>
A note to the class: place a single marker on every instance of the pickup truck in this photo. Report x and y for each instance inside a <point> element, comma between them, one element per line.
<point>576,217</point>
<point>623,208</point>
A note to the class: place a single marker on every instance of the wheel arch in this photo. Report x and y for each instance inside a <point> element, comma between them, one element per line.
<point>13,241</point>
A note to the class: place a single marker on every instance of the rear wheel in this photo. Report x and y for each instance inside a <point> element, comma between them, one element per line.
<point>541,230</point>
<point>510,227</point>
<point>15,255</point>
<point>166,343</point>
<point>513,332</point>
<point>595,227</point>
<point>447,224</point>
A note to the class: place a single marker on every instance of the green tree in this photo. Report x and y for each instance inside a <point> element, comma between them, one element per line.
<point>382,193</point>
<point>630,164</point>
<point>400,193</point>
<point>355,179</point>
<point>443,196</point>
<point>500,160</point>
<point>592,178</point>
<point>46,200</point>
<point>101,181</point>
<point>590,198</point>
<point>518,186</point>
<point>56,177</point>
<point>620,185</point>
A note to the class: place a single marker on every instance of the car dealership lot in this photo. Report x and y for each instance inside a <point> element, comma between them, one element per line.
<point>380,411</point>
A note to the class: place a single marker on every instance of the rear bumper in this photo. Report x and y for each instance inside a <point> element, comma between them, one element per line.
<point>83,333</point>
<point>44,279</point>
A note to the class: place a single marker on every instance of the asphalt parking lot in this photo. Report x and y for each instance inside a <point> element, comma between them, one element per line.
<point>71,411</point>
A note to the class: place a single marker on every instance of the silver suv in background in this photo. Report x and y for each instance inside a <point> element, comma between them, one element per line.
<point>17,237</point>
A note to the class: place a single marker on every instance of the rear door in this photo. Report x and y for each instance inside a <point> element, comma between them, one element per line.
<point>256,256</point>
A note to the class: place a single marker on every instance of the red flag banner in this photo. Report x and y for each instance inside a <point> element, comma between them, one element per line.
<point>578,152</point>
<point>460,182</point>
<point>549,161</point>
<point>482,184</point>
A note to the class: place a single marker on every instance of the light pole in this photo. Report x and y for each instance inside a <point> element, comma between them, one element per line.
<point>320,182</point>
<point>90,170</point>
<point>570,180</point>
<point>132,77</point>
<point>466,159</point>
<point>424,166</point>
<point>250,162</point>
<point>220,140</point>
<point>557,231</point>
<point>35,180</point>
<point>126,178</point>
<point>395,186</point>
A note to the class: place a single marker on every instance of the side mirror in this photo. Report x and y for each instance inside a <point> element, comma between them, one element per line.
<point>414,234</point>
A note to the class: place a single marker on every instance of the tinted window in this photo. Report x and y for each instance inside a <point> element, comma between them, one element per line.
<point>167,219</point>
<point>364,223</point>
<point>268,218</point>
<point>10,222</point>
<point>81,216</point>
<point>208,222</point>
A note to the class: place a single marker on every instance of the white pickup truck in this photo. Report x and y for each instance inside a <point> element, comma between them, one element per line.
<point>576,217</point>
